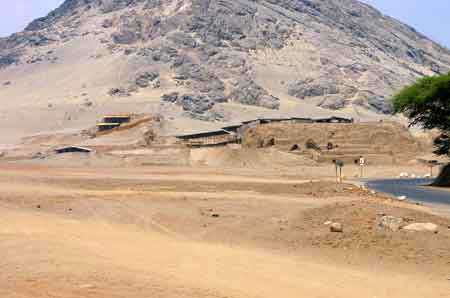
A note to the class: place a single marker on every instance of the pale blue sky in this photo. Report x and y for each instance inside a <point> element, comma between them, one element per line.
<point>16,14</point>
<point>430,17</point>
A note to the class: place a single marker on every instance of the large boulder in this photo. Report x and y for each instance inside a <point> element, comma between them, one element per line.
<point>336,227</point>
<point>421,227</point>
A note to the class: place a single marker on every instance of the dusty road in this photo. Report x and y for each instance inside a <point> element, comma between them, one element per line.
<point>181,232</point>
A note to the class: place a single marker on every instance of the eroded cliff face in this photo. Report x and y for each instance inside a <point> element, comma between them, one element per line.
<point>199,53</point>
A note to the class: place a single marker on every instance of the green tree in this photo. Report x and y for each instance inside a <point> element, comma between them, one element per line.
<point>427,103</point>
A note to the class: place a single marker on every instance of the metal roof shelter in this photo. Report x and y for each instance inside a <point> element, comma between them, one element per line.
<point>70,149</point>
<point>271,120</point>
<point>254,121</point>
<point>249,123</point>
<point>107,126</point>
<point>333,119</point>
<point>210,138</point>
<point>203,134</point>
<point>232,128</point>
<point>119,118</point>
<point>302,120</point>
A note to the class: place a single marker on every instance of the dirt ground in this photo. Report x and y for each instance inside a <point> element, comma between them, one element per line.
<point>196,232</point>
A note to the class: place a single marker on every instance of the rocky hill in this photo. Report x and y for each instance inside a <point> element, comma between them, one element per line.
<point>210,58</point>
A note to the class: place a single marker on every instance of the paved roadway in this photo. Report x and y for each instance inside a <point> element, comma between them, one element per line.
<point>413,189</point>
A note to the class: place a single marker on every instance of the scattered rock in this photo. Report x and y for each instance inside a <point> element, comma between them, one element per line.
<point>171,97</point>
<point>336,228</point>
<point>107,23</point>
<point>8,59</point>
<point>147,79</point>
<point>333,103</point>
<point>268,143</point>
<point>183,40</point>
<point>215,215</point>
<point>88,103</point>
<point>198,106</point>
<point>119,92</point>
<point>7,83</point>
<point>38,155</point>
<point>380,104</point>
<point>195,103</point>
<point>421,227</point>
<point>320,87</point>
<point>327,223</point>
<point>249,93</point>
<point>391,222</point>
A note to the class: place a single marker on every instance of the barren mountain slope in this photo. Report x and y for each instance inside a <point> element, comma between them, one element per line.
<point>207,59</point>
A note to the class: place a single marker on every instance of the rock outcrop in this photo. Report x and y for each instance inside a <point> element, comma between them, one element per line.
<point>332,53</point>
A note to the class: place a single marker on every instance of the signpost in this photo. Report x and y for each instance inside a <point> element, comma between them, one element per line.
<point>432,164</point>
<point>362,163</point>
<point>339,164</point>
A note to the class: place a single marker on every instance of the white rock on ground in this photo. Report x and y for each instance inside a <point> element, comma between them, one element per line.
<point>401,198</point>
<point>336,228</point>
<point>421,227</point>
<point>391,222</point>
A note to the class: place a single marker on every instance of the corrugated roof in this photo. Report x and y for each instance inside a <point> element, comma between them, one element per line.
<point>203,134</point>
<point>108,124</point>
<point>117,116</point>
<point>74,147</point>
